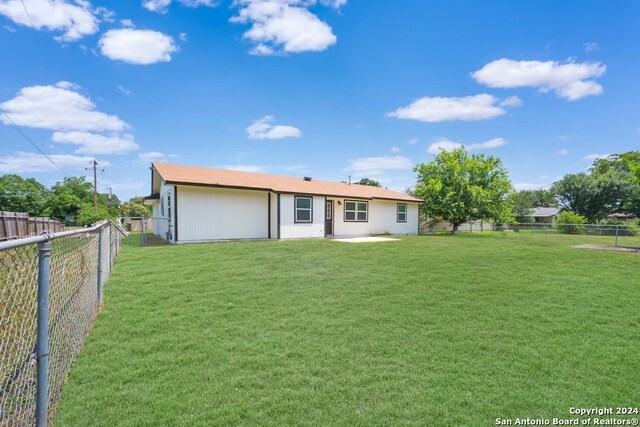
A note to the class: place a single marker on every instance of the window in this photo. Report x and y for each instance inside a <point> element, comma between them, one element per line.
<point>356,211</point>
<point>162,206</point>
<point>303,208</point>
<point>169,206</point>
<point>402,212</point>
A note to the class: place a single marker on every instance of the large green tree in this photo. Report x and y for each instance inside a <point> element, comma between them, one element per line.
<point>458,187</point>
<point>594,196</point>
<point>134,207</point>
<point>69,196</point>
<point>22,195</point>
<point>627,164</point>
<point>369,181</point>
<point>116,205</point>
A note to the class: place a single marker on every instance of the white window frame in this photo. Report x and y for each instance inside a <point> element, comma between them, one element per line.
<point>296,209</point>
<point>356,211</point>
<point>398,213</point>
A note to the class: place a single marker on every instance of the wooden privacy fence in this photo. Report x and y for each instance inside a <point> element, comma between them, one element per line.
<point>16,225</point>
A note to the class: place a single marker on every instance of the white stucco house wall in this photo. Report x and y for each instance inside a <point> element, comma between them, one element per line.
<point>196,204</point>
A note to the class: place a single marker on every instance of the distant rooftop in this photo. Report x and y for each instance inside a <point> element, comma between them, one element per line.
<point>545,212</point>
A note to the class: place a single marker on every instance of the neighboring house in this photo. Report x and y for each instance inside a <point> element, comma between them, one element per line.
<point>545,215</point>
<point>197,204</point>
<point>621,216</point>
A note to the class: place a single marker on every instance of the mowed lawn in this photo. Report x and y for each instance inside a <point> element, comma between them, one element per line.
<point>429,330</point>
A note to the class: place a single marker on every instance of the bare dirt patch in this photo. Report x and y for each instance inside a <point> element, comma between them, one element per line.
<point>608,248</point>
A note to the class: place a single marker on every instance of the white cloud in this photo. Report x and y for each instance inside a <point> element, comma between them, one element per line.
<point>184,37</point>
<point>124,90</point>
<point>568,80</point>
<point>63,109</point>
<point>521,186</point>
<point>413,141</point>
<point>59,107</point>
<point>438,109</point>
<point>334,3</point>
<point>592,157</point>
<point>284,26</point>
<point>22,162</point>
<point>246,168</point>
<point>492,143</point>
<point>9,28</point>
<point>395,149</point>
<point>562,152</point>
<point>137,46</point>
<point>511,102</point>
<point>152,156</point>
<point>443,145</point>
<point>75,20</point>
<point>104,14</point>
<point>264,129</point>
<point>128,23</point>
<point>91,143</point>
<point>161,6</point>
<point>378,166</point>
<point>448,145</point>
<point>591,46</point>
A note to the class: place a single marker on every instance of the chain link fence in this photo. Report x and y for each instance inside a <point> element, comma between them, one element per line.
<point>616,235</point>
<point>156,232</point>
<point>50,294</point>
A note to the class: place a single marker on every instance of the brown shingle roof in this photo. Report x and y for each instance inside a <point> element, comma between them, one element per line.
<point>181,174</point>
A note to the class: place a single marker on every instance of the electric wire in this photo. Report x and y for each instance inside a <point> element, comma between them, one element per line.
<point>25,136</point>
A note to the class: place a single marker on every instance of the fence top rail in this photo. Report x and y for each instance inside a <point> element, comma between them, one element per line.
<point>11,244</point>
<point>556,224</point>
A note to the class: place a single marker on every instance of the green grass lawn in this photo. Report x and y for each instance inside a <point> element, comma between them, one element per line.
<point>429,330</point>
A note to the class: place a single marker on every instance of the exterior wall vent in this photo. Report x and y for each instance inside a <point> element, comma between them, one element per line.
<point>307,178</point>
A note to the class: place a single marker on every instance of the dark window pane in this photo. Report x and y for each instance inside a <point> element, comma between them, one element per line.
<point>303,215</point>
<point>402,208</point>
<point>402,217</point>
<point>303,202</point>
<point>350,216</point>
<point>362,216</point>
<point>362,206</point>
<point>350,206</point>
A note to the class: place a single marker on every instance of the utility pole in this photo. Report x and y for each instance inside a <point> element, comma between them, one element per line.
<point>95,184</point>
<point>110,201</point>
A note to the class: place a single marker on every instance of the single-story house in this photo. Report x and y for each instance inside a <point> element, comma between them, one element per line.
<point>545,215</point>
<point>197,204</point>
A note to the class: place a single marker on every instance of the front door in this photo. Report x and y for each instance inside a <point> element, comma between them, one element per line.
<point>328,218</point>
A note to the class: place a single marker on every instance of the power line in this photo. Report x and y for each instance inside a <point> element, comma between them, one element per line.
<point>21,132</point>
<point>27,12</point>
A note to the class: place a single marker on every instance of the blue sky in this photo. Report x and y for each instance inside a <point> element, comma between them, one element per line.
<point>325,88</point>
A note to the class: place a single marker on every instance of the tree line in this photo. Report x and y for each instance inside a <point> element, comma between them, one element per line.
<point>458,187</point>
<point>69,201</point>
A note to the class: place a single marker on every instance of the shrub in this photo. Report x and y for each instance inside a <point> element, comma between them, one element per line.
<point>571,223</point>
<point>624,228</point>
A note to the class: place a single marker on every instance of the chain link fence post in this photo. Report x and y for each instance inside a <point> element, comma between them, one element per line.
<point>110,247</point>
<point>41,356</point>
<point>99,266</point>
<point>616,244</point>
